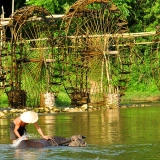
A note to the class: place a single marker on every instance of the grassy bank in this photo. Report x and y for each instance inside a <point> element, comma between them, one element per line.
<point>142,91</point>
<point>141,96</point>
<point>64,101</point>
<point>3,101</point>
<point>61,101</point>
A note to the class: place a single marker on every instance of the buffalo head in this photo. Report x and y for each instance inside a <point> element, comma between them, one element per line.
<point>77,141</point>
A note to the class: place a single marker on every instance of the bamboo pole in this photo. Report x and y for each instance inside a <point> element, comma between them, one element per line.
<point>12,7</point>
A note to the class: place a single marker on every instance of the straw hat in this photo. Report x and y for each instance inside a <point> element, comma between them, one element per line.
<point>29,117</point>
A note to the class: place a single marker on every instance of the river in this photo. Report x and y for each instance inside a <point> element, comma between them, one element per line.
<point>115,134</point>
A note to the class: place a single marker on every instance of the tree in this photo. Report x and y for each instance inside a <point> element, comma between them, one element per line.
<point>142,15</point>
<point>152,15</point>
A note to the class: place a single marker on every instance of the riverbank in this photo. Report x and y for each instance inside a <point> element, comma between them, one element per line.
<point>140,99</point>
<point>130,100</point>
<point>10,112</point>
<point>141,96</point>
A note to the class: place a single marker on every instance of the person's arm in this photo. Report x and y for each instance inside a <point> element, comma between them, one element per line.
<point>40,131</point>
<point>16,130</point>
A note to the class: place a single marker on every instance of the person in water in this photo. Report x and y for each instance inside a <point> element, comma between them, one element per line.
<point>17,126</point>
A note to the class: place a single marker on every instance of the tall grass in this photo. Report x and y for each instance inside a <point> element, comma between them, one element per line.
<point>62,100</point>
<point>3,100</point>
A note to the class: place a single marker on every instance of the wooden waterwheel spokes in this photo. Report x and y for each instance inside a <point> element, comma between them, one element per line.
<point>34,53</point>
<point>93,59</point>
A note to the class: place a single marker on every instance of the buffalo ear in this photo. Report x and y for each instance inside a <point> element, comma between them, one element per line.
<point>83,136</point>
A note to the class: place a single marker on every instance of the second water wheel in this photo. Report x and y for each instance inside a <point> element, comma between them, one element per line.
<point>96,56</point>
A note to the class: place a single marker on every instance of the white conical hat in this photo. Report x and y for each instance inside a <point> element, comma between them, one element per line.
<point>29,117</point>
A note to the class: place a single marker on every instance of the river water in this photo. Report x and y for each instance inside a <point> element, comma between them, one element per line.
<point>115,134</point>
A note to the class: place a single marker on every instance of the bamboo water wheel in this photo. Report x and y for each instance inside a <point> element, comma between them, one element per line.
<point>88,50</point>
<point>33,56</point>
<point>96,56</point>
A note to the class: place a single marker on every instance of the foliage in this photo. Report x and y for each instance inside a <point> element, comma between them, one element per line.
<point>54,6</point>
<point>63,100</point>
<point>152,15</point>
<point>142,15</point>
<point>123,6</point>
<point>3,100</point>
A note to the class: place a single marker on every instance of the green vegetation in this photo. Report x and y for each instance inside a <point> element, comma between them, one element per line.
<point>141,16</point>
<point>142,92</point>
<point>63,100</point>
<point>54,6</point>
<point>3,100</point>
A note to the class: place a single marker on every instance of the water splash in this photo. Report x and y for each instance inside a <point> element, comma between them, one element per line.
<point>18,141</point>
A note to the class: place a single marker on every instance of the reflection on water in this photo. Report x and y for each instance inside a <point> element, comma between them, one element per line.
<point>113,125</point>
<point>111,134</point>
<point>4,130</point>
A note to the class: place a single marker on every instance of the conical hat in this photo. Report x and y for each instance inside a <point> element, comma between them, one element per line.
<point>29,117</point>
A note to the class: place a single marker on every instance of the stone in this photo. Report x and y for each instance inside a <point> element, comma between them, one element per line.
<point>66,109</point>
<point>5,111</point>
<point>72,110</point>
<point>2,114</point>
<point>84,107</point>
<point>13,110</point>
<point>46,110</point>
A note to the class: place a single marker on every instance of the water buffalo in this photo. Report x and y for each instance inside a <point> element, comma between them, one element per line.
<point>74,141</point>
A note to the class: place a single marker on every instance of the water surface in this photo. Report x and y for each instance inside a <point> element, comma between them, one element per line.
<point>116,134</point>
